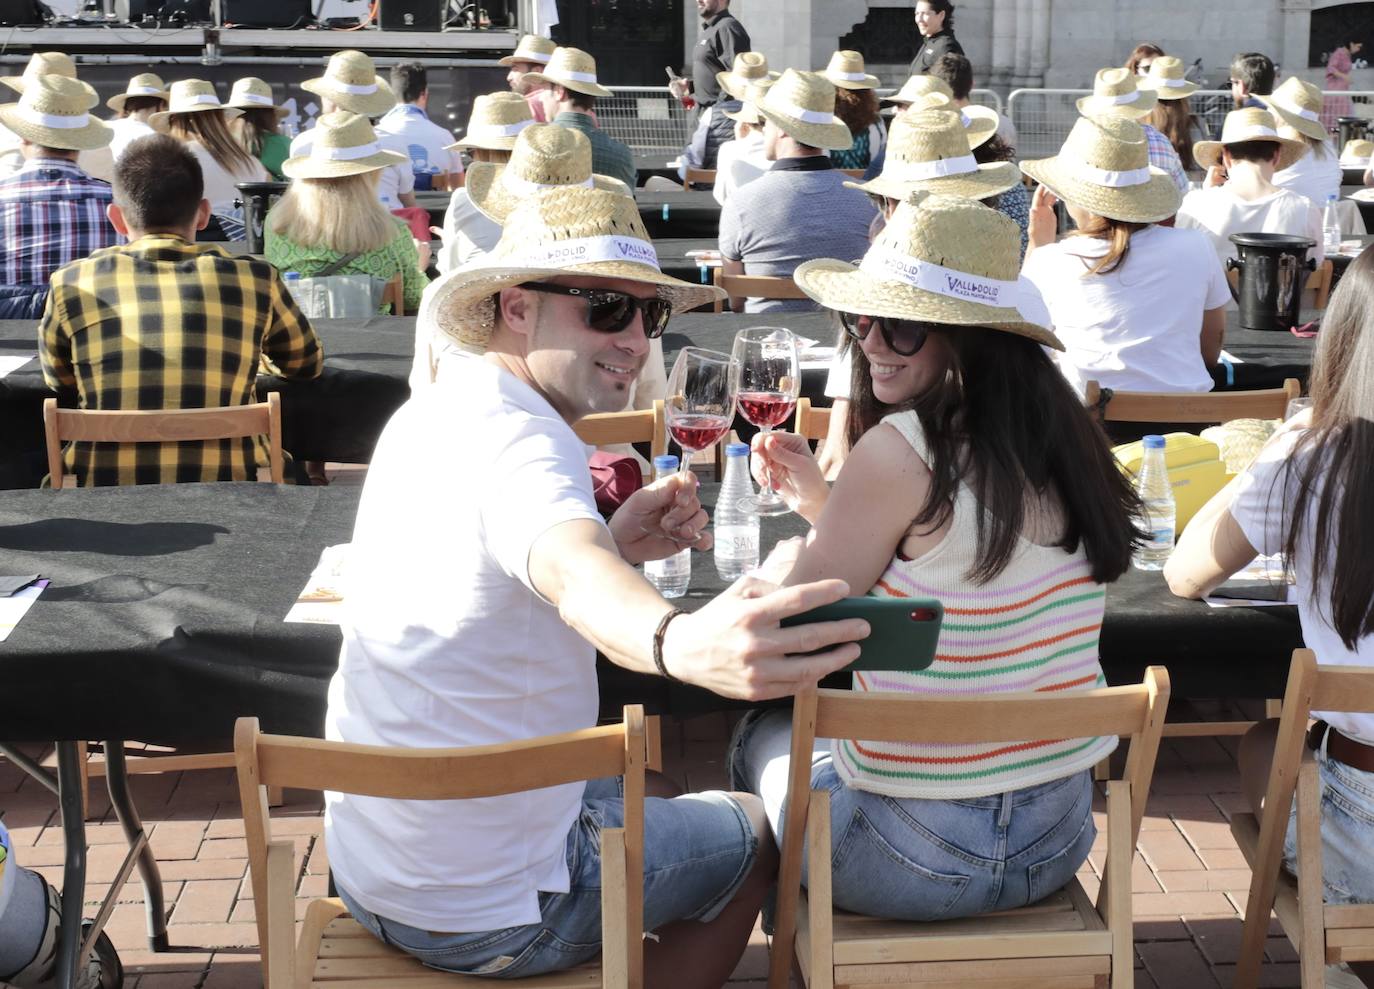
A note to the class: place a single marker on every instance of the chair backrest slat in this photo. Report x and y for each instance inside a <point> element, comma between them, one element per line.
<point>1343,688</point>
<point>1194,407</point>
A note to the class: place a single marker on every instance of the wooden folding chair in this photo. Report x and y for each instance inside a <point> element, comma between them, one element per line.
<point>1317,292</point>
<point>1061,942</point>
<point>1208,407</point>
<point>1323,934</point>
<point>333,949</point>
<point>756,286</point>
<point>395,294</point>
<point>636,426</point>
<point>813,422</point>
<point>699,178</point>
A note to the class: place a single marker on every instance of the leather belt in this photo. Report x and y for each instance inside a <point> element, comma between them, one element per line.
<point>1342,748</point>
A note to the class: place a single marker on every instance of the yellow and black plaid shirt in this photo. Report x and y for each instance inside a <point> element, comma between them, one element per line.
<point>166,324</point>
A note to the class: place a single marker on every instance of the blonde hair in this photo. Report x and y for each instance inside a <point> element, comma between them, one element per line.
<point>1117,233</point>
<point>342,214</point>
<point>497,156</point>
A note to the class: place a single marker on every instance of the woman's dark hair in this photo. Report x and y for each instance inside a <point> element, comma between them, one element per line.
<point>943,7</point>
<point>1260,151</point>
<point>1329,488</point>
<point>254,127</point>
<point>1141,52</point>
<point>858,108</point>
<point>1256,70</point>
<point>993,149</point>
<point>211,130</point>
<point>133,104</point>
<point>1005,422</point>
<point>1118,235</point>
<point>1174,119</point>
<point>956,71</point>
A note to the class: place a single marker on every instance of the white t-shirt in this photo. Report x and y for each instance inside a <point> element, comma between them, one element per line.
<point>1315,178</point>
<point>126,130</point>
<point>394,180</point>
<point>446,643</point>
<point>1218,213</point>
<point>221,184</point>
<point>425,141</point>
<point>1137,328</point>
<point>738,163</point>
<point>1264,496</point>
<point>469,233</point>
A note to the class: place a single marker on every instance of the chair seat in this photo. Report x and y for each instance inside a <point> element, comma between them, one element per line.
<point>350,956</point>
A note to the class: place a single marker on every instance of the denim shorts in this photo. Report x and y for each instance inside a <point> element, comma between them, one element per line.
<point>698,849</point>
<point>1347,807</point>
<point>913,859</point>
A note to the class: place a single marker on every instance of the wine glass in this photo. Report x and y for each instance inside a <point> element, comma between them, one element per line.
<point>769,383</point>
<point>700,405</point>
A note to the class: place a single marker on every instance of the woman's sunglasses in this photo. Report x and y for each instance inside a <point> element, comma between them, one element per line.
<point>609,311</point>
<point>903,336</point>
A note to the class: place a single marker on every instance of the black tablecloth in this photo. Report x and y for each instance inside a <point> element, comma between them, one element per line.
<point>679,214</point>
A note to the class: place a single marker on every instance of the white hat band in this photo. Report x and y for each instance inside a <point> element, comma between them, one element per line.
<point>1120,98</point>
<point>57,121</point>
<point>345,87</point>
<point>850,76</point>
<point>143,91</point>
<point>482,132</point>
<point>318,150</point>
<point>539,57</point>
<point>1171,83</point>
<point>918,171</point>
<point>582,250</point>
<point>254,98</point>
<point>1256,133</point>
<point>524,187</point>
<point>576,76</point>
<point>207,99</point>
<point>883,262</point>
<point>1111,179</point>
<point>778,105</point>
<point>1305,114</point>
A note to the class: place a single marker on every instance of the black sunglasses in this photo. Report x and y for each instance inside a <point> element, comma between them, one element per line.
<point>609,311</point>
<point>904,337</point>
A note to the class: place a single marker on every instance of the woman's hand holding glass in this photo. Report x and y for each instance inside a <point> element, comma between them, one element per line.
<point>787,460</point>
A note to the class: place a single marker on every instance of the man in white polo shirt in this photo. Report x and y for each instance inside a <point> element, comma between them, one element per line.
<point>427,144</point>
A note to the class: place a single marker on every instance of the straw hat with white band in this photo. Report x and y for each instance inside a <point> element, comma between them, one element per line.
<point>532,48</point>
<point>190,96</point>
<point>1166,79</point>
<point>1299,105</point>
<point>928,149</point>
<point>846,70</point>
<point>802,104</point>
<point>917,88</point>
<point>1116,94</point>
<point>54,112</point>
<point>571,68</point>
<point>749,112</point>
<point>1248,124</point>
<point>497,119</point>
<point>1357,154</point>
<point>563,231</point>
<point>1104,167</point>
<point>750,69</point>
<point>940,259</point>
<point>345,144</point>
<point>145,84</point>
<point>545,156</point>
<point>42,64</point>
<point>251,93</point>
<point>350,82</point>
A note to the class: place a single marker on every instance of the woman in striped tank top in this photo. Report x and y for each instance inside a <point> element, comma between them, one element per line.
<point>976,478</point>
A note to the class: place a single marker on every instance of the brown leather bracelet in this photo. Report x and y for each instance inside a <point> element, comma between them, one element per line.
<point>659,633</point>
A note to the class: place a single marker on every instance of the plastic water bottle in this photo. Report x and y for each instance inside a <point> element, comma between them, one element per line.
<point>1331,228</point>
<point>670,576</point>
<point>736,530</point>
<point>1157,495</point>
<point>293,286</point>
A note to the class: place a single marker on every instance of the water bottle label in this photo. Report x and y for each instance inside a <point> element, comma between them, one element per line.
<point>1161,538</point>
<point>737,542</point>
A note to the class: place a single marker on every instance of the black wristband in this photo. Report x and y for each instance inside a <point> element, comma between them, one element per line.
<point>659,633</point>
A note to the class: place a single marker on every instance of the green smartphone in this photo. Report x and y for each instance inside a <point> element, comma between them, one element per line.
<point>904,631</point>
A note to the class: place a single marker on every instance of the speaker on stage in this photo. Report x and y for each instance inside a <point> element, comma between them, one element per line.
<point>412,15</point>
<point>19,13</point>
<point>267,13</point>
<point>163,11</point>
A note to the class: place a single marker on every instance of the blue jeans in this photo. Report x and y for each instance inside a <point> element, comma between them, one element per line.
<point>698,849</point>
<point>911,859</point>
<point>1347,809</point>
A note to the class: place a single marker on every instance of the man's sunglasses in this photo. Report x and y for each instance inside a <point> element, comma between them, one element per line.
<point>903,336</point>
<point>609,311</point>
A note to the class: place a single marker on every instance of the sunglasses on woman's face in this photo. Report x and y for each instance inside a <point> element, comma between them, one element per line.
<point>903,337</point>
<point>609,311</point>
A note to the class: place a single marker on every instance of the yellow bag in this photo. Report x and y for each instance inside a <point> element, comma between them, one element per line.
<point>1195,467</point>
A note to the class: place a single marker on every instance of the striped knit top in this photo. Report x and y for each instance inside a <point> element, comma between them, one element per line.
<point>1034,626</point>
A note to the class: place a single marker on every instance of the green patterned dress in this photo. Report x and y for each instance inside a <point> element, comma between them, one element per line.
<point>399,254</point>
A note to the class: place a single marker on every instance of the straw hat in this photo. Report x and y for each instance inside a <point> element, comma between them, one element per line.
<point>190,96</point>
<point>350,82</point>
<point>496,120</point>
<point>917,88</point>
<point>544,156</point>
<point>1357,153</point>
<point>928,149</point>
<point>1116,94</point>
<point>748,113</point>
<point>54,111</point>
<point>571,68</point>
<point>563,231</point>
<point>1298,104</point>
<point>251,93</point>
<point>143,84</point>
<point>42,64</point>
<point>803,105</point>
<point>532,48</point>
<point>345,144</point>
<point>940,259</point>
<point>1104,166</point>
<point>1166,79</point>
<point>846,70</point>
<point>1248,124</point>
<point>750,69</point>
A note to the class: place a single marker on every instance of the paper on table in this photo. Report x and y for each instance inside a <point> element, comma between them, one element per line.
<point>321,601</point>
<point>1230,358</point>
<point>16,605</point>
<point>13,362</point>
<point>1266,569</point>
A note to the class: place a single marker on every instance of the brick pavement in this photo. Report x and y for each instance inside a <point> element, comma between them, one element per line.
<point>1189,879</point>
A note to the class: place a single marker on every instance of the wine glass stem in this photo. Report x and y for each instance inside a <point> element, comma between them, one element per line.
<point>685,465</point>
<point>767,494</point>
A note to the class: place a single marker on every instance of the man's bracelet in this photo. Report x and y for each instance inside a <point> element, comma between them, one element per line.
<point>659,633</point>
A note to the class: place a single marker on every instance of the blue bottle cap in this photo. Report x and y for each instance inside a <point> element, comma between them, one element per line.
<point>737,449</point>
<point>1153,442</point>
<point>665,462</point>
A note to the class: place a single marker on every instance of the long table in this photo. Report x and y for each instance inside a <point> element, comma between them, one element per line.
<point>665,214</point>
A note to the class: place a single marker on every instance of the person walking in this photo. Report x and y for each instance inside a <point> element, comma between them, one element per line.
<point>935,21</point>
